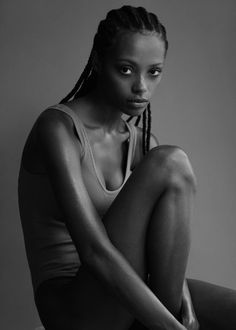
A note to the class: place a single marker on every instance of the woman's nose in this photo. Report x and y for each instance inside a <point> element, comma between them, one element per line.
<point>139,86</point>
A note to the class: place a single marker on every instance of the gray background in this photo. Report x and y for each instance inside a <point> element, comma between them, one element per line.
<point>44,47</point>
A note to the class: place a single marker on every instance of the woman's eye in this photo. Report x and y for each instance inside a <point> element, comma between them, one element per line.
<point>126,70</point>
<point>155,72</point>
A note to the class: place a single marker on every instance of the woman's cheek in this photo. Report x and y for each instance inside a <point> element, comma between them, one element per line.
<point>121,87</point>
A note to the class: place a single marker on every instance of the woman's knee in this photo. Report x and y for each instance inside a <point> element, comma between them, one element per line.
<point>172,164</point>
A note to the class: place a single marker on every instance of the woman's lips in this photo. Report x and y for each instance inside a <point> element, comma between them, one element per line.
<point>137,103</point>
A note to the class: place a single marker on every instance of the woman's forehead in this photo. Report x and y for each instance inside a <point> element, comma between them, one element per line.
<point>139,46</point>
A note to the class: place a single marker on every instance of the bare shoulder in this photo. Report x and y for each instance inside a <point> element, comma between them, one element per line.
<point>51,130</point>
<point>52,121</point>
<point>56,132</point>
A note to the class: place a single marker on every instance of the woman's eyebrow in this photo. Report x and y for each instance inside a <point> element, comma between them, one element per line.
<point>135,63</point>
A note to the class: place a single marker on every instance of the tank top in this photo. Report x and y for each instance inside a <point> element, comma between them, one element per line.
<point>49,247</point>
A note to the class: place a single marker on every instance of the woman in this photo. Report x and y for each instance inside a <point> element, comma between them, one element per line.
<point>105,209</point>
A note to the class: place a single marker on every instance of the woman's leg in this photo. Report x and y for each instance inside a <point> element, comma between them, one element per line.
<point>168,243</point>
<point>149,223</point>
<point>156,239</point>
<point>215,306</point>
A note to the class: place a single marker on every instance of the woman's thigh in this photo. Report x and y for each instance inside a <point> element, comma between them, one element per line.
<point>52,303</point>
<point>56,301</point>
<point>215,306</point>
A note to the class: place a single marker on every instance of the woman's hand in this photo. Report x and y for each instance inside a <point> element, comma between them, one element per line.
<point>188,316</point>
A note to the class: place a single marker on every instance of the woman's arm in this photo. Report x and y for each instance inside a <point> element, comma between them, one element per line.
<point>61,153</point>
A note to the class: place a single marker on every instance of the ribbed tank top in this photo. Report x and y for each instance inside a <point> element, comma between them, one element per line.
<point>49,246</point>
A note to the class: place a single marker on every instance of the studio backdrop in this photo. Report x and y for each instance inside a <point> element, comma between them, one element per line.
<point>44,48</point>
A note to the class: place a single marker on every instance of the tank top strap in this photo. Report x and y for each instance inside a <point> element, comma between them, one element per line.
<point>78,125</point>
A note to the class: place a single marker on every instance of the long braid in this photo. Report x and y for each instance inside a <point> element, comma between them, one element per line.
<point>129,119</point>
<point>84,76</point>
<point>149,127</point>
<point>147,122</point>
<point>144,132</point>
<point>137,121</point>
<point>126,18</point>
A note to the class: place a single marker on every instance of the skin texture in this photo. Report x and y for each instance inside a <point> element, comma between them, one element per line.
<point>146,229</point>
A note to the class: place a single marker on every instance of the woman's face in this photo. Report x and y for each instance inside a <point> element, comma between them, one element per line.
<point>130,72</point>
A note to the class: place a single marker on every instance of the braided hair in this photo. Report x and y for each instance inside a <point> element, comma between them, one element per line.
<point>126,18</point>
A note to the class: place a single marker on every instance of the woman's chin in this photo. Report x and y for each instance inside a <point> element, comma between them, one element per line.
<point>134,112</point>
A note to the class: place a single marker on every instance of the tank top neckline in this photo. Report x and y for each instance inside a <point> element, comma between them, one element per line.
<point>128,158</point>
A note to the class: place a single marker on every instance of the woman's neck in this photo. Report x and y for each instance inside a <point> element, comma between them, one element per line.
<point>97,113</point>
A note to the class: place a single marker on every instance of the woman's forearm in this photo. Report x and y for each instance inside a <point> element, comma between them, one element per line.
<point>120,278</point>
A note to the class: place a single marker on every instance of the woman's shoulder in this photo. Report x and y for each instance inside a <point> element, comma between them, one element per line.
<point>52,119</point>
<point>58,125</point>
<point>50,129</point>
